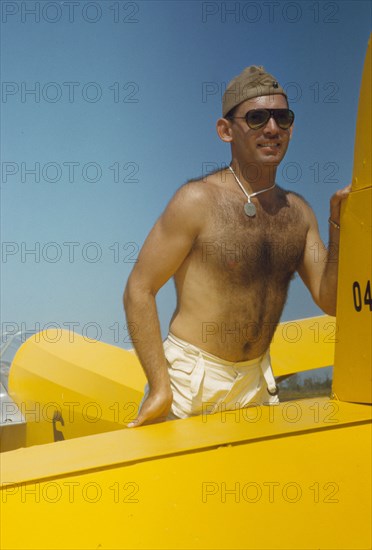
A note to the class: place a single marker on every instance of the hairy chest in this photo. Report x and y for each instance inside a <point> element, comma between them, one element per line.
<point>266,247</point>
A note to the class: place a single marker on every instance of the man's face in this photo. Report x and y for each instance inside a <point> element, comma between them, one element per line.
<point>267,145</point>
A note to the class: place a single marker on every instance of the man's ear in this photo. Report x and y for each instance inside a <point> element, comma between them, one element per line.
<point>224,130</point>
<point>290,132</point>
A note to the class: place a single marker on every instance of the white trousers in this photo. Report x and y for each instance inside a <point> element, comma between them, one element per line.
<point>204,384</point>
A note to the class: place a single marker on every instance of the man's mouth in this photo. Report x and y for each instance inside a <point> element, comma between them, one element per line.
<point>269,144</point>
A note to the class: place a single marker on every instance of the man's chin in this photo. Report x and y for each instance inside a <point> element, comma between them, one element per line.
<point>271,161</point>
<point>273,158</point>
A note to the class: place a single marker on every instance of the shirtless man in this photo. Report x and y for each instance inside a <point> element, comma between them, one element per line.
<point>232,256</point>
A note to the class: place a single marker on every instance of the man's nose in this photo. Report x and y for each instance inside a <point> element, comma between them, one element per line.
<point>271,126</point>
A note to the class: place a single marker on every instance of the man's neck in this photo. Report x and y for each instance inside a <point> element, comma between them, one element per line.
<point>252,176</point>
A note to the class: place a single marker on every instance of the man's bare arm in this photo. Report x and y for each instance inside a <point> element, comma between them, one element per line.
<point>164,250</point>
<point>319,268</point>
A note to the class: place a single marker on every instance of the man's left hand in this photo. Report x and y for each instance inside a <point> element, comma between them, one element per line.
<point>335,203</point>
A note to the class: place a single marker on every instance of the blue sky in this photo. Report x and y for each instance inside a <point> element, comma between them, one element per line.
<point>108,107</point>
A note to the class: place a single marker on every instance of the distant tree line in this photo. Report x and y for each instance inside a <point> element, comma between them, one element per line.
<point>293,387</point>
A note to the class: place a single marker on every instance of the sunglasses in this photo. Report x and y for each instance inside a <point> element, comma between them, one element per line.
<point>258,118</point>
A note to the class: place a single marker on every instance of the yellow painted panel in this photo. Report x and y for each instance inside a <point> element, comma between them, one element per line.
<point>303,344</point>
<point>179,436</point>
<point>363,146</point>
<point>287,492</point>
<point>69,388</point>
<point>352,372</point>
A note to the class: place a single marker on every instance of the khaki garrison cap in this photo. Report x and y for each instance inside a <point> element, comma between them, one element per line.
<point>254,81</point>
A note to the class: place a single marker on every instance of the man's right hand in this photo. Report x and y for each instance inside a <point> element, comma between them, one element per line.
<point>154,409</point>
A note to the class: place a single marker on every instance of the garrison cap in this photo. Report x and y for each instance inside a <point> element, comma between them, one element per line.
<point>252,82</point>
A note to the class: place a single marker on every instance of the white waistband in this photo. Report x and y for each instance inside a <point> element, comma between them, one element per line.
<point>263,361</point>
<point>190,348</point>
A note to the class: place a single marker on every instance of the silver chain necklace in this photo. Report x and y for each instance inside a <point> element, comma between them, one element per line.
<point>249,207</point>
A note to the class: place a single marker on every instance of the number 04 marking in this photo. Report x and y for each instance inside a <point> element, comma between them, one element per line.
<point>357,296</point>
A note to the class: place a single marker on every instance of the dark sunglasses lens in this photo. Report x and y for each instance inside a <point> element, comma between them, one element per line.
<point>284,118</point>
<point>257,118</point>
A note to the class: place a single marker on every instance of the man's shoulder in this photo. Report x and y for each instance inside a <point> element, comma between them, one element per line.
<point>303,207</point>
<point>211,179</point>
<point>298,200</point>
<point>195,192</point>
<point>186,209</point>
